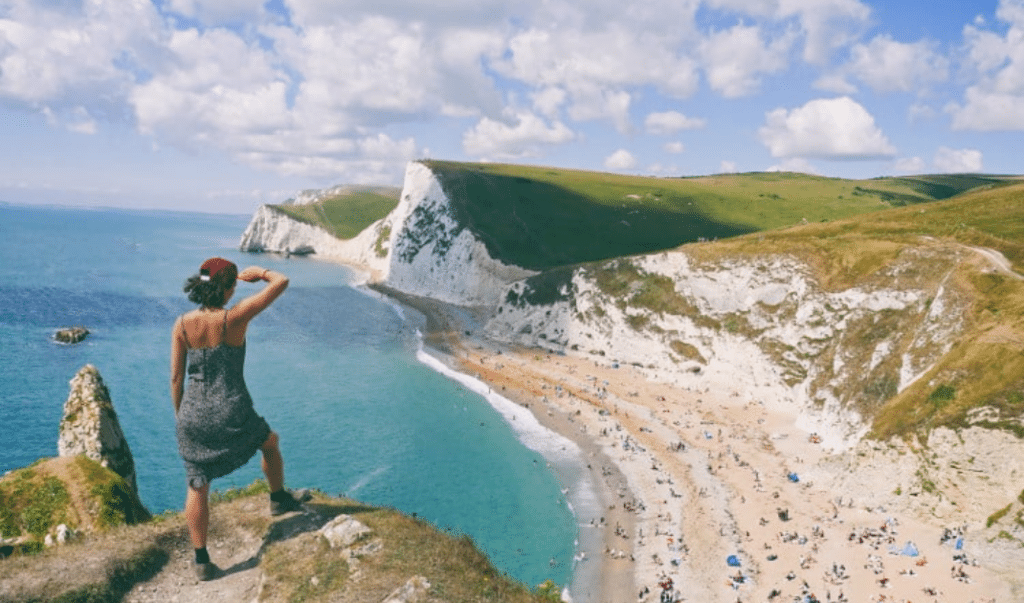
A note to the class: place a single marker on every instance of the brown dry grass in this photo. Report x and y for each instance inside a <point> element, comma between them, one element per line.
<point>290,561</point>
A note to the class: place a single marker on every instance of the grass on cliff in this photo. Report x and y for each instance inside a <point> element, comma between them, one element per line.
<point>75,491</point>
<point>540,217</point>
<point>347,214</point>
<point>290,561</point>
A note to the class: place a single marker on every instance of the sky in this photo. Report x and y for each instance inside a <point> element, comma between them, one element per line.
<point>223,105</point>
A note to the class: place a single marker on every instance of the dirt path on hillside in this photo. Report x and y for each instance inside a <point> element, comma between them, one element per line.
<point>240,532</point>
<point>999,261</point>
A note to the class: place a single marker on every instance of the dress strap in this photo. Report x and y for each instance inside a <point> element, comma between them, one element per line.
<point>224,331</point>
<point>181,319</point>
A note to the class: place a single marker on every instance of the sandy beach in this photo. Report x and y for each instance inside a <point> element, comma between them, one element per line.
<point>711,497</point>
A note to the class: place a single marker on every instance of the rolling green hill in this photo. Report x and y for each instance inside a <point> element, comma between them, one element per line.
<point>347,214</point>
<point>540,217</point>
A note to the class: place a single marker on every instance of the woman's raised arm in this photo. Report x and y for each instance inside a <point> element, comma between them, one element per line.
<point>249,307</point>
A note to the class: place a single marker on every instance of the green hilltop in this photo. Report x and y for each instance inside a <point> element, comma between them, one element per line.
<point>348,213</point>
<point>541,217</point>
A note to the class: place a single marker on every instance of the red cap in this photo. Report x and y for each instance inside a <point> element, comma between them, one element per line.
<point>212,266</point>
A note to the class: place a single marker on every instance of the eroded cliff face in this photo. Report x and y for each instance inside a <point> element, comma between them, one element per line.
<point>430,254</point>
<point>758,327</point>
<point>419,248</point>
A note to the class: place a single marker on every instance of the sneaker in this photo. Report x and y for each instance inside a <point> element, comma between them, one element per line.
<point>294,502</point>
<point>206,571</point>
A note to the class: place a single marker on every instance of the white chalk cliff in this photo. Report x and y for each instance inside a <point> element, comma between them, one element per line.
<point>760,327</point>
<point>419,248</point>
<point>271,230</point>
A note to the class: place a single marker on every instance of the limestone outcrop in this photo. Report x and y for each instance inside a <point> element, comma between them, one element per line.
<point>90,426</point>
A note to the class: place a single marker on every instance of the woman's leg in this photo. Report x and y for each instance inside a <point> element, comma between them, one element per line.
<point>281,500</point>
<point>197,514</point>
<point>273,463</point>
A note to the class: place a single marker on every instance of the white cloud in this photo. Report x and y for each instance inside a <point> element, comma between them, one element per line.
<point>890,66</point>
<point>1011,11</point>
<point>219,11</point>
<point>727,167</point>
<point>958,160</point>
<point>305,13</point>
<point>382,146</point>
<point>995,101</point>
<point>828,24</point>
<point>909,165</point>
<point>620,160</point>
<point>55,57</point>
<point>662,169</point>
<point>825,24</point>
<point>549,101</point>
<point>525,137</point>
<point>734,59</point>
<point>353,87</point>
<point>988,110</point>
<point>610,58</point>
<point>594,102</point>
<point>81,122</point>
<point>838,128</point>
<point>920,111</point>
<point>835,82</point>
<point>795,164</point>
<point>377,65</point>
<point>214,89</point>
<point>670,122</point>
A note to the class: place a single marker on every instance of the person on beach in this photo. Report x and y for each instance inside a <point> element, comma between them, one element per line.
<point>217,428</point>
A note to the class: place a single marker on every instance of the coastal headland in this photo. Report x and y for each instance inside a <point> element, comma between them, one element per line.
<point>805,410</point>
<point>693,479</point>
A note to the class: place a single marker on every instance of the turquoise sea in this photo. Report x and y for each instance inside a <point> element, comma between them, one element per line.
<point>362,411</point>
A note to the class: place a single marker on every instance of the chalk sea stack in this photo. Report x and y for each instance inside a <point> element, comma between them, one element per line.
<point>90,426</point>
<point>90,487</point>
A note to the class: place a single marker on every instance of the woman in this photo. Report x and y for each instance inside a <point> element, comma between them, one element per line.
<point>218,430</point>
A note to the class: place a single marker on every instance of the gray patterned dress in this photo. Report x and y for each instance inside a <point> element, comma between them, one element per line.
<point>218,430</point>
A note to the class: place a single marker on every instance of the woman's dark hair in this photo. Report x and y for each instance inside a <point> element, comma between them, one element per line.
<point>210,290</point>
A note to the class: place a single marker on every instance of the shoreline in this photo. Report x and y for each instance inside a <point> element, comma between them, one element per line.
<point>450,334</point>
<point>724,495</point>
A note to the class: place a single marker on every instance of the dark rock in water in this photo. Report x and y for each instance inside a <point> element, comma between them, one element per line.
<point>71,334</point>
<point>90,426</point>
<point>302,250</point>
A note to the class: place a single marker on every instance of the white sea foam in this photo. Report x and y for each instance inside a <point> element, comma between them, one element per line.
<point>565,459</point>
